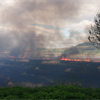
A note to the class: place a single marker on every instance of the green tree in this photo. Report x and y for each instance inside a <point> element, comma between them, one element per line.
<point>94,32</point>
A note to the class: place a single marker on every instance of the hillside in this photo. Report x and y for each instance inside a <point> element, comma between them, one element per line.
<point>84,49</point>
<point>88,48</point>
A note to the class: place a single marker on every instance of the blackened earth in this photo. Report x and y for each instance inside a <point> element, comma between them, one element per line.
<point>39,73</point>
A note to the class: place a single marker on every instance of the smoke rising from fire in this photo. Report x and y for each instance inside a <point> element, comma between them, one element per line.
<point>20,36</point>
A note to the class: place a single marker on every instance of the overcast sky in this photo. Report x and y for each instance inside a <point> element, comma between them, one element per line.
<point>54,23</point>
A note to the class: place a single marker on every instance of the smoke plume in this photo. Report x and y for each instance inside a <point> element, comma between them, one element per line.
<point>17,33</point>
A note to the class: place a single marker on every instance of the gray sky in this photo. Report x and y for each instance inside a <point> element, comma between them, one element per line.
<point>31,24</point>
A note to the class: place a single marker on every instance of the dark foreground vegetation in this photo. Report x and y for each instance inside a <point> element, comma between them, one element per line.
<point>50,92</point>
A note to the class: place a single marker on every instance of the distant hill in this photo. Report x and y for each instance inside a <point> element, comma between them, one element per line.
<point>87,47</point>
<point>84,44</point>
<point>83,49</point>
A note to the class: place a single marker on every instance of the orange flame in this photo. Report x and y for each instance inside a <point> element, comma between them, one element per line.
<point>11,56</point>
<point>67,59</point>
<point>64,59</point>
<point>46,58</point>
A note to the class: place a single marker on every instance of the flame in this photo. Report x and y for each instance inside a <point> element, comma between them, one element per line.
<point>11,56</point>
<point>67,59</point>
<point>46,58</point>
<point>63,58</point>
<point>15,57</point>
<point>23,57</point>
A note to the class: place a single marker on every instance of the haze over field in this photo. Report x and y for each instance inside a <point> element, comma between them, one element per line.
<point>30,24</point>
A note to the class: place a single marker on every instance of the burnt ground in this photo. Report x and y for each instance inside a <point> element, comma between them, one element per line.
<point>39,73</point>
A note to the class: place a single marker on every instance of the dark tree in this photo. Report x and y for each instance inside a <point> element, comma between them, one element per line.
<point>94,32</point>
